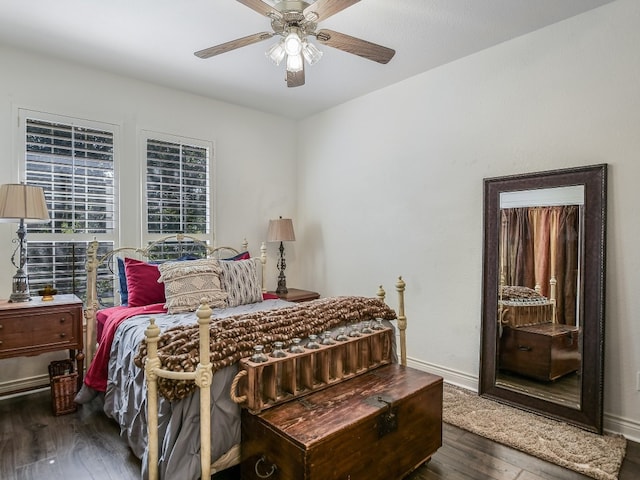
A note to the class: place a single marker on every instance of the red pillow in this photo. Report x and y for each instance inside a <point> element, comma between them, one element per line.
<point>142,283</point>
<point>239,256</point>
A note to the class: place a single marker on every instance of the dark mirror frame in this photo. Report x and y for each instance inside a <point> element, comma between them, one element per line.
<point>594,179</point>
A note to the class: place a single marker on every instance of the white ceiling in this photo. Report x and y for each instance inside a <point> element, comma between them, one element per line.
<point>154,40</point>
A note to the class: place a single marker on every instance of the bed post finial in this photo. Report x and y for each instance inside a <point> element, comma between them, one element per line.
<point>381,293</point>
<point>263,260</point>
<point>204,313</point>
<point>402,321</point>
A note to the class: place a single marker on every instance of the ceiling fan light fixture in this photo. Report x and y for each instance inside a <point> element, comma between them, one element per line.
<point>310,52</point>
<point>293,43</point>
<point>276,52</point>
<point>293,21</point>
<point>294,63</point>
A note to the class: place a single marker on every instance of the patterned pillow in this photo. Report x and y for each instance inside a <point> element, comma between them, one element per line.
<point>122,278</point>
<point>240,280</point>
<point>186,283</point>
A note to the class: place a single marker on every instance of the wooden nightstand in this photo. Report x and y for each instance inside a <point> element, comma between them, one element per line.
<point>297,295</point>
<point>35,327</point>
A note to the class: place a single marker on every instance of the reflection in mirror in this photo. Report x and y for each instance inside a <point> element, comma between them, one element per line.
<point>543,293</point>
<point>541,244</point>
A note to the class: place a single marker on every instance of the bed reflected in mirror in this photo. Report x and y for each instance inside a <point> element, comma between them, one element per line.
<point>543,293</point>
<point>539,335</point>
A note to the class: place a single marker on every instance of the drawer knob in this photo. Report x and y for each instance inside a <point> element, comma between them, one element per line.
<point>62,335</point>
<point>63,319</point>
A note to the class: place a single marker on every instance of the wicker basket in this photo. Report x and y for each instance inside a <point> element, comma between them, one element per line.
<point>63,382</point>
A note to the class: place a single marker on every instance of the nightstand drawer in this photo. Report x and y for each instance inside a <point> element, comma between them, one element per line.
<point>53,328</point>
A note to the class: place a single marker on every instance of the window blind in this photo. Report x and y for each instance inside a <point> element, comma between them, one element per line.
<point>75,167</point>
<point>177,187</point>
<point>74,164</point>
<point>63,265</point>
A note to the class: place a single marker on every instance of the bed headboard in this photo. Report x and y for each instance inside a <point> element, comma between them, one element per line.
<point>172,247</point>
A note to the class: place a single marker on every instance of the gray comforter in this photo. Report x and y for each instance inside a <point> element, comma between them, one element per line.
<point>179,425</point>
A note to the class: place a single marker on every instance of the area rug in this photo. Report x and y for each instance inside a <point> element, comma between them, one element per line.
<point>597,456</point>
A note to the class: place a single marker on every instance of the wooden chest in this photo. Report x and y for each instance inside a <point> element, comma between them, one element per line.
<point>380,425</point>
<point>545,352</point>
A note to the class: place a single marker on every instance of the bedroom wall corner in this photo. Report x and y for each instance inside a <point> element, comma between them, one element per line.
<point>392,182</point>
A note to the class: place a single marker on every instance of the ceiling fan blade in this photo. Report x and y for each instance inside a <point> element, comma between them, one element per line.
<point>323,9</point>
<point>295,79</point>
<point>349,44</point>
<point>233,44</point>
<point>262,8</point>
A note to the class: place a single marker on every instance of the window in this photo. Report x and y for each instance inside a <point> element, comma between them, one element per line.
<point>73,160</point>
<point>178,197</point>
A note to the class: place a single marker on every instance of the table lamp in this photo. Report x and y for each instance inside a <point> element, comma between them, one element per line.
<point>281,230</point>
<point>23,204</point>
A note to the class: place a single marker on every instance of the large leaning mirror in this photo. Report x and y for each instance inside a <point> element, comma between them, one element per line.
<point>543,293</point>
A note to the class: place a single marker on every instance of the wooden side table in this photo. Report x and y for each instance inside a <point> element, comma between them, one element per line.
<point>297,295</point>
<point>35,327</point>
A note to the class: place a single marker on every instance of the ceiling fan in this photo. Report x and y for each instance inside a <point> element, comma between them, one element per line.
<point>294,21</point>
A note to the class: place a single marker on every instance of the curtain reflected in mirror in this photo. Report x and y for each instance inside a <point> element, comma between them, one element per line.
<point>538,309</point>
<point>543,293</point>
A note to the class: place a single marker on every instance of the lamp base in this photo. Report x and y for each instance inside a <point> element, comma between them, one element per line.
<point>19,297</point>
<point>282,288</point>
<point>282,280</point>
<point>20,291</point>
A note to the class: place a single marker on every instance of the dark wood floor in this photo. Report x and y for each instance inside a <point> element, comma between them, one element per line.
<point>87,445</point>
<point>564,390</point>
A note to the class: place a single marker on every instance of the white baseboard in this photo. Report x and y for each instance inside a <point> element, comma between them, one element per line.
<point>28,383</point>
<point>630,429</point>
<point>454,377</point>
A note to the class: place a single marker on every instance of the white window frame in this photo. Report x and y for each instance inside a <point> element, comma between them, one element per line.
<point>146,135</point>
<point>50,237</point>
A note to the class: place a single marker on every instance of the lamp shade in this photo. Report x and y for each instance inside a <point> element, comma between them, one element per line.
<point>22,202</point>
<point>281,230</point>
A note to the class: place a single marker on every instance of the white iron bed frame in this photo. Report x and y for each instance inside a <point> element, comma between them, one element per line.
<point>203,375</point>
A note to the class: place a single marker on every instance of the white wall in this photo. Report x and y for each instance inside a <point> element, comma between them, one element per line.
<point>254,154</point>
<point>391,184</point>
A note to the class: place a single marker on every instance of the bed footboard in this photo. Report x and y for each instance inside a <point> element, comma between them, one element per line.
<point>203,377</point>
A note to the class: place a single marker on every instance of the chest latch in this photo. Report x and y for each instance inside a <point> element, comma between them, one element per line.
<point>387,421</point>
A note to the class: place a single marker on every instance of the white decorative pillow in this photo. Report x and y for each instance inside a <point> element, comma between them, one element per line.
<point>187,282</point>
<point>240,280</point>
